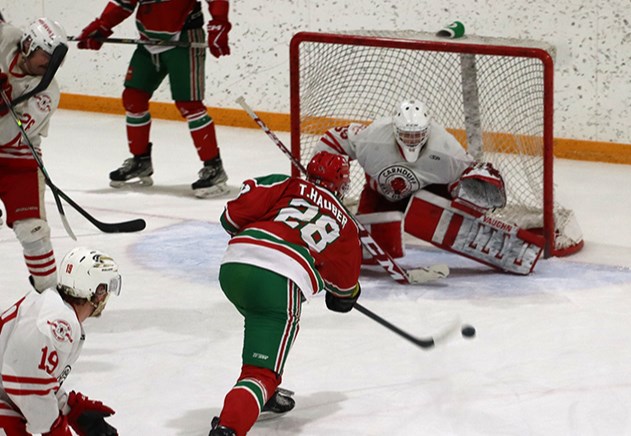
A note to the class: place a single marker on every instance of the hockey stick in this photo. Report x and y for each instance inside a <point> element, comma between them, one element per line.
<point>420,275</point>
<point>146,42</point>
<point>122,227</point>
<point>59,53</point>
<point>428,342</point>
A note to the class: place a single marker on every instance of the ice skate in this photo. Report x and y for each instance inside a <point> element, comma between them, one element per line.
<point>212,180</point>
<point>135,170</point>
<point>219,430</point>
<point>279,404</point>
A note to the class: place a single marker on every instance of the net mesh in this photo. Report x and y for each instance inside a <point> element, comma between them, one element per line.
<point>492,104</point>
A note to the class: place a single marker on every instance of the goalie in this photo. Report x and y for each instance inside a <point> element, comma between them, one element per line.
<point>420,179</point>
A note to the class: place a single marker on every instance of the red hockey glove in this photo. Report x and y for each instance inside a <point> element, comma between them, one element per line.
<point>6,88</point>
<point>218,37</point>
<point>88,36</point>
<point>86,416</point>
<point>59,427</point>
<point>218,28</point>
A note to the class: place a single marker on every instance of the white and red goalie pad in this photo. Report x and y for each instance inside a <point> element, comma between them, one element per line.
<point>490,241</point>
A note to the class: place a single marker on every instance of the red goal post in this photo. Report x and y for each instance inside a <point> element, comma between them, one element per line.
<point>495,95</point>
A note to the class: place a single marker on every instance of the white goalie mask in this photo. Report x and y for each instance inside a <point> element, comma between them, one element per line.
<point>411,128</point>
<point>86,272</point>
<point>43,33</point>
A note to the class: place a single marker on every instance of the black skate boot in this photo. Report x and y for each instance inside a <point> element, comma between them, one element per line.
<point>137,167</point>
<point>212,179</point>
<point>278,404</point>
<point>220,430</point>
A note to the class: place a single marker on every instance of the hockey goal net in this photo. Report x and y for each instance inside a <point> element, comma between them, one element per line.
<point>494,95</point>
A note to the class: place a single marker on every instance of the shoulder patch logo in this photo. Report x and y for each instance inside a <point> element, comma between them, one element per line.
<point>44,103</point>
<point>61,330</point>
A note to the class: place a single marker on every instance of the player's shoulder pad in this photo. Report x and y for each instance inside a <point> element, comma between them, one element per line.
<point>271,179</point>
<point>57,320</point>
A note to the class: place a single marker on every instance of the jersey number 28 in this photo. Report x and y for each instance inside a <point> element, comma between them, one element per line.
<point>316,229</point>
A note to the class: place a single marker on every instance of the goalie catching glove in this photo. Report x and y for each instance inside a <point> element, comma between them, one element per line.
<point>481,187</point>
<point>342,304</point>
<point>87,417</point>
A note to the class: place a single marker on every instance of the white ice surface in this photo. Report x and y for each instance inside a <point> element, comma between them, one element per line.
<point>552,355</point>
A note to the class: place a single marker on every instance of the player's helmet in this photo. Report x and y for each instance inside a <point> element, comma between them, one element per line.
<point>86,272</point>
<point>331,171</point>
<point>43,33</point>
<point>411,124</point>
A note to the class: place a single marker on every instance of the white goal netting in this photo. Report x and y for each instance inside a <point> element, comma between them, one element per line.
<point>494,96</point>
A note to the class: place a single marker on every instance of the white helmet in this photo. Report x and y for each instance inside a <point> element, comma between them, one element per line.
<point>45,34</point>
<point>84,270</point>
<point>411,128</point>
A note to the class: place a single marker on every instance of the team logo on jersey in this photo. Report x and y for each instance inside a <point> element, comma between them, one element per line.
<point>44,103</point>
<point>61,330</point>
<point>397,182</point>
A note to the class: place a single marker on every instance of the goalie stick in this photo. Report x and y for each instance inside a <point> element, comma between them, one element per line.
<point>146,42</point>
<point>416,276</point>
<point>121,227</point>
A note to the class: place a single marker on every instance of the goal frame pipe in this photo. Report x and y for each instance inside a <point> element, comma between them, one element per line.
<point>451,47</point>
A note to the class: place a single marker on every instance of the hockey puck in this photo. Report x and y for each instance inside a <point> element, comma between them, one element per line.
<point>468,331</point>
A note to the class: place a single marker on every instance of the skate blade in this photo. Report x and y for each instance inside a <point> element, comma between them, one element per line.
<point>137,181</point>
<point>212,191</point>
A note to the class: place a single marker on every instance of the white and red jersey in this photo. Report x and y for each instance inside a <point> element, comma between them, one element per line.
<point>296,229</point>
<point>34,112</point>
<point>40,339</point>
<point>441,161</point>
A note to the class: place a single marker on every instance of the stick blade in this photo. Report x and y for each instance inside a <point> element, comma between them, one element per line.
<point>131,226</point>
<point>429,274</point>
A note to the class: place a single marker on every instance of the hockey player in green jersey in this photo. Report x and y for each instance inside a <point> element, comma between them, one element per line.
<point>174,20</point>
<point>291,238</point>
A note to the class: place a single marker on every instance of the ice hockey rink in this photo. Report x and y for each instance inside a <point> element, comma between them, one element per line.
<point>552,354</point>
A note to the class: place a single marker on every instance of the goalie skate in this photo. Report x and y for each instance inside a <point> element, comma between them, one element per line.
<point>136,170</point>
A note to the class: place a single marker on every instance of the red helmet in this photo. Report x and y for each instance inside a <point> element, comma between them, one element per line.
<point>331,171</point>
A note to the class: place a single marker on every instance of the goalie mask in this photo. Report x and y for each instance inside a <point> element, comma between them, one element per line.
<point>331,171</point>
<point>87,273</point>
<point>411,128</point>
<point>43,33</point>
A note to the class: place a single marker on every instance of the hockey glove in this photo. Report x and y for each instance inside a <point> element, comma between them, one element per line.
<point>342,304</point>
<point>218,28</point>
<point>86,416</point>
<point>6,88</point>
<point>59,427</point>
<point>91,37</point>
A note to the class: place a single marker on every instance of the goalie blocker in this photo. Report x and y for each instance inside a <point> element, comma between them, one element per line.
<point>453,227</point>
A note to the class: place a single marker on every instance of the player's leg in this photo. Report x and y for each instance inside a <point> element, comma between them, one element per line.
<point>144,75</point>
<point>271,305</point>
<point>186,68</point>
<point>26,215</point>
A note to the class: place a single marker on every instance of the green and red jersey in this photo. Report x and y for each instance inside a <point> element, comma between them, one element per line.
<point>296,229</point>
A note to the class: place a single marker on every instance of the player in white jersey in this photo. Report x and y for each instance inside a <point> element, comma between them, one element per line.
<point>402,155</point>
<point>41,337</point>
<point>24,58</point>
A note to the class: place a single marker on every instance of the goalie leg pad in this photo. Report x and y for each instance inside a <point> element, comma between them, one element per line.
<point>386,229</point>
<point>483,239</point>
<point>34,235</point>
